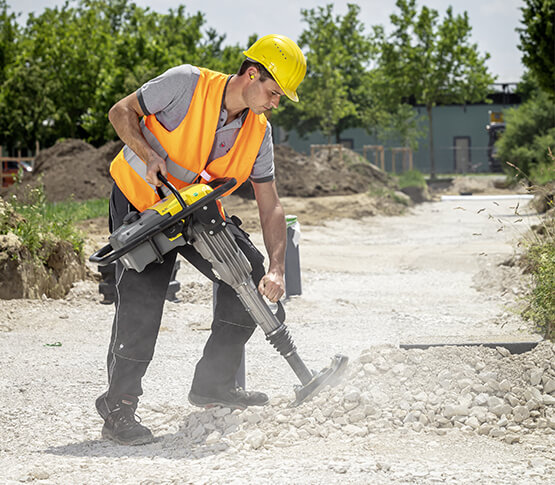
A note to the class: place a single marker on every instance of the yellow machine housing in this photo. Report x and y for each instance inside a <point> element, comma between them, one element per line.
<point>190,195</point>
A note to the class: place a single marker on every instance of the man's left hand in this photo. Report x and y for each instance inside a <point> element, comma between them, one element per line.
<point>272,286</point>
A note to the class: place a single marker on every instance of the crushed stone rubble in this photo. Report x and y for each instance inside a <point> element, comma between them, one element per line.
<point>478,390</point>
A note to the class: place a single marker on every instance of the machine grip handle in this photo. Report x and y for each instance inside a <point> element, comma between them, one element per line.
<point>104,256</point>
<point>226,184</point>
<point>107,254</point>
<point>173,190</point>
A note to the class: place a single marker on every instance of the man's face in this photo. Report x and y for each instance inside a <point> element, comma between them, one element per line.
<point>262,96</point>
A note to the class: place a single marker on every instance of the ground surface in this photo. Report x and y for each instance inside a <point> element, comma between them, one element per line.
<point>433,416</point>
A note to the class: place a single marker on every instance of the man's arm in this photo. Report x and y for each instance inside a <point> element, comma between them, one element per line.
<point>125,117</point>
<point>272,221</point>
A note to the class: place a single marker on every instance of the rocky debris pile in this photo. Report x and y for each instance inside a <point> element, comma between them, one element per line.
<point>476,390</point>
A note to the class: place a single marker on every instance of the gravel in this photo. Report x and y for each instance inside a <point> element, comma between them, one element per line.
<point>448,414</point>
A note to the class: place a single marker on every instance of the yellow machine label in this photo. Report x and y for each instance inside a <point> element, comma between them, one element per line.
<point>496,117</point>
<point>189,194</point>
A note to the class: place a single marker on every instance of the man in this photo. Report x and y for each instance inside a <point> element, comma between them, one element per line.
<point>194,125</point>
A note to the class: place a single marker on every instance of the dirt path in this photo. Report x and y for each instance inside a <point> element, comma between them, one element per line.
<point>446,415</point>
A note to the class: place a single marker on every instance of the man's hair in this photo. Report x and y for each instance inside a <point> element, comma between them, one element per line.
<point>264,74</point>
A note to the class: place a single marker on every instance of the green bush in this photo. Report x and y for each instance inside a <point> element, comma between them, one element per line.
<point>542,174</point>
<point>412,178</point>
<point>529,133</point>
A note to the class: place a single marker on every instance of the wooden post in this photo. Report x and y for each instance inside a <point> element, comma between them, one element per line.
<point>393,156</point>
<point>378,154</point>
<point>406,158</point>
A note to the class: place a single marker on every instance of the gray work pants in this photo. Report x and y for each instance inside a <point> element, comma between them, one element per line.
<point>139,307</point>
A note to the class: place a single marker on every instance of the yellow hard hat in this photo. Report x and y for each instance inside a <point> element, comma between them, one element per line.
<point>283,59</point>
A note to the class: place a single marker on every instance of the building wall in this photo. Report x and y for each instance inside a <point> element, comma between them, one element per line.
<point>463,127</point>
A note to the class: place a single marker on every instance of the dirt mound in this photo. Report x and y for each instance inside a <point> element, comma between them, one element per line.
<point>327,173</point>
<point>75,169</point>
<point>72,169</point>
<point>34,263</point>
<point>22,276</point>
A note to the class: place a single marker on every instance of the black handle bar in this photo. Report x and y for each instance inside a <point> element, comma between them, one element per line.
<point>107,254</point>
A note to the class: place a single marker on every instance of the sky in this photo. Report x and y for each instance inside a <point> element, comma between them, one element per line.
<point>493,21</point>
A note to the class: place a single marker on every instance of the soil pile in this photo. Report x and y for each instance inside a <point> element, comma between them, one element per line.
<point>72,169</point>
<point>328,172</point>
<point>75,169</point>
<point>23,276</point>
<point>43,265</point>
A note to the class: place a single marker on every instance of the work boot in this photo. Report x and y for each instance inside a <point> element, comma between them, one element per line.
<point>236,398</point>
<point>120,422</point>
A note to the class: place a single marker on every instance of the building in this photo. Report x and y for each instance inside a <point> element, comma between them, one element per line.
<point>460,136</point>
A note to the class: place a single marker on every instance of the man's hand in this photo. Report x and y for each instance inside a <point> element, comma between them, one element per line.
<point>272,286</point>
<point>154,165</point>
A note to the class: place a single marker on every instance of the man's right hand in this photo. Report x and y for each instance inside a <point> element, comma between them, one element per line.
<point>155,165</point>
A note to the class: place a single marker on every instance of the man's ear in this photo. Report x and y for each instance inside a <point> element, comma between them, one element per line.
<point>252,71</point>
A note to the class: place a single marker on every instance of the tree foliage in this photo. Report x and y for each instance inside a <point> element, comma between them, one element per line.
<point>537,41</point>
<point>429,61</point>
<point>530,128</point>
<point>529,132</point>
<point>8,36</point>
<point>68,65</point>
<point>335,94</point>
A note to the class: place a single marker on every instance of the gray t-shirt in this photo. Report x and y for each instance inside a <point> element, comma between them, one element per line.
<point>169,96</point>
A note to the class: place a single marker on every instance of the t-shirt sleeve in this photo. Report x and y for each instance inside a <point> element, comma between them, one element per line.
<point>169,93</point>
<point>263,168</point>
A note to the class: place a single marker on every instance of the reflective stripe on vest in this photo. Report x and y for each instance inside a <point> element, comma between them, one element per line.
<point>187,148</point>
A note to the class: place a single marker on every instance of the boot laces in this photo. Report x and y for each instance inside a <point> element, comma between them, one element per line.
<point>125,416</point>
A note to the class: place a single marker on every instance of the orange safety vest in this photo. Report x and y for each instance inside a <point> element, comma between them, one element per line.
<point>190,145</point>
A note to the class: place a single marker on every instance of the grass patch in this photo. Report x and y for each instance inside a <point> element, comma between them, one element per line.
<point>76,211</point>
<point>381,192</point>
<point>39,223</point>
<point>412,178</point>
<point>541,301</point>
<point>540,257</point>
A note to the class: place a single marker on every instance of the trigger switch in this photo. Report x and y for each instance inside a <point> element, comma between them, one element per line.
<point>131,218</point>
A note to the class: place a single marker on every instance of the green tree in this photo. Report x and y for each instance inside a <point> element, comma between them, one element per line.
<point>537,41</point>
<point>530,128</point>
<point>9,32</point>
<point>52,78</point>
<point>529,132</point>
<point>73,63</point>
<point>428,61</point>
<point>9,37</point>
<point>334,94</point>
